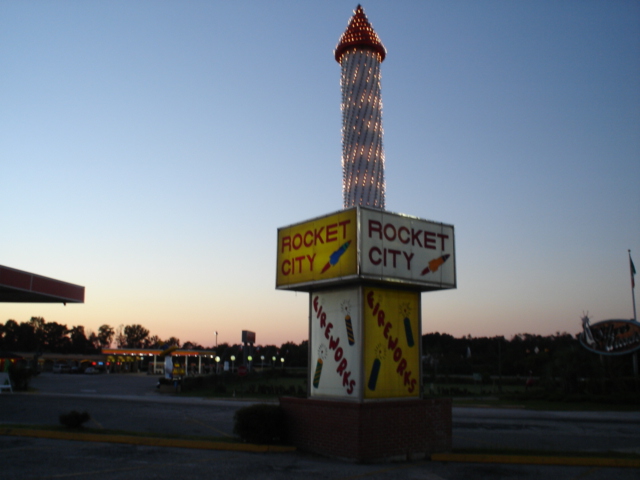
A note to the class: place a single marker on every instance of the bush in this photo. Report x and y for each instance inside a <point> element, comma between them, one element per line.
<point>260,423</point>
<point>20,376</point>
<point>74,419</point>
<point>200,382</point>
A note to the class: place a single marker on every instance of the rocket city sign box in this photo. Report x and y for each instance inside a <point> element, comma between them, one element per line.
<point>366,244</point>
<point>364,269</point>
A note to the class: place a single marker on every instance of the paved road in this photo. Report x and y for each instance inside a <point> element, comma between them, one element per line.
<point>28,459</point>
<point>541,430</point>
<point>131,402</point>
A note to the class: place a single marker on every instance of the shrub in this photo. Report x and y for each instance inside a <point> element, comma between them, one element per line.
<point>74,419</point>
<point>220,388</point>
<point>200,382</point>
<point>20,376</point>
<point>260,423</point>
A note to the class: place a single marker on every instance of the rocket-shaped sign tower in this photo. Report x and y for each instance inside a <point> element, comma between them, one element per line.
<point>360,53</point>
<point>364,269</point>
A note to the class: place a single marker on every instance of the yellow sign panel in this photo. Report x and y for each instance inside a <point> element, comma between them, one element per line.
<point>320,249</point>
<point>391,339</point>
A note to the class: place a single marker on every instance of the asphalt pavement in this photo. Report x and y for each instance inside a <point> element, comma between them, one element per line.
<point>132,403</point>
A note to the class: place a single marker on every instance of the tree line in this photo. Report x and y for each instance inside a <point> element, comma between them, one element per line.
<point>39,336</point>
<point>551,358</point>
<point>443,354</point>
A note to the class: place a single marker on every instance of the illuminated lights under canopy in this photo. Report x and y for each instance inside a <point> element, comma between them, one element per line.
<point>360,53</point>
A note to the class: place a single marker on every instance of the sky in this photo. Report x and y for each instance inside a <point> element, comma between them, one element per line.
<point>150,150</point>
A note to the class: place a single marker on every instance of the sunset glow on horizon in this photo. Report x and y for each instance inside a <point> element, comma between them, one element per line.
<point>152,150</point>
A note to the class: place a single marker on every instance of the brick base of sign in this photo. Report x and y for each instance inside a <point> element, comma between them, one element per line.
<point>371,431</point>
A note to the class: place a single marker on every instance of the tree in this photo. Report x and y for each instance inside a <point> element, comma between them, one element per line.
<point>37,323</point>
<point>56,337</point>
<point>10,335</point>
<point>27,341</point>
<point>94,341</point>
<point>295,355</point>
<point>105,335</point>
<point>136,336</point>
<point>223,350</point>
<point>79,341</point>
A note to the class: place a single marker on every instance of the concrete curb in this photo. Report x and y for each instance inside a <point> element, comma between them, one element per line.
<point>148,441</point>
<point>536,460</point>
<point>252,448</point>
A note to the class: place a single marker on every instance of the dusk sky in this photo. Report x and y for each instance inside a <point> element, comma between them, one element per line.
<point>150,150</point>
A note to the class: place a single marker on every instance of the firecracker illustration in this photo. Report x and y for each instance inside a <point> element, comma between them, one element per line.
<point>375,368</point>
<point>346,308</point>
<point>435,264</point>
<point>405,312</point>
<point>335,256</point>
<point>322,355</point>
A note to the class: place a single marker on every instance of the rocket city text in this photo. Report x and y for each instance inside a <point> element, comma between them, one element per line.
<point>304,262</point>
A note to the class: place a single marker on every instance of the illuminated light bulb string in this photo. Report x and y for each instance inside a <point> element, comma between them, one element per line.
<point>360,53</point>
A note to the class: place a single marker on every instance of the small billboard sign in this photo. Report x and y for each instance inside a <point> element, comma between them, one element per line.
<point>611,337</point>
<point>248,337</point>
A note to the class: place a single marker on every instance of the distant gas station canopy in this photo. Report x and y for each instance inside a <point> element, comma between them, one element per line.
<point>17,286</point>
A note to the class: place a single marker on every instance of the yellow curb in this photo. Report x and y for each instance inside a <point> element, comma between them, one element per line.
<point>148,441</point>
<point>536,460</point>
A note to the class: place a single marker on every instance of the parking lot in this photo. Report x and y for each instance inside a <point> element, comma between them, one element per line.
<point>131,403</point>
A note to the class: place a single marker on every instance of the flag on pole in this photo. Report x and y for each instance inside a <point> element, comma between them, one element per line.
<point>633,272</point>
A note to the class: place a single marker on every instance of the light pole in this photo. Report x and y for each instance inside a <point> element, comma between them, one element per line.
<point>216,340</point>
<point>217,364</point>
<point>233,362</point>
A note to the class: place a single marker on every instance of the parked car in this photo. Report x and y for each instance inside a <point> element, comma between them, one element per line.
<point>61,368</point>
<point>91,370</point>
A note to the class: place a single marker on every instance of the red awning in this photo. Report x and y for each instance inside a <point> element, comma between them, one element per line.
<point>24,287</point>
